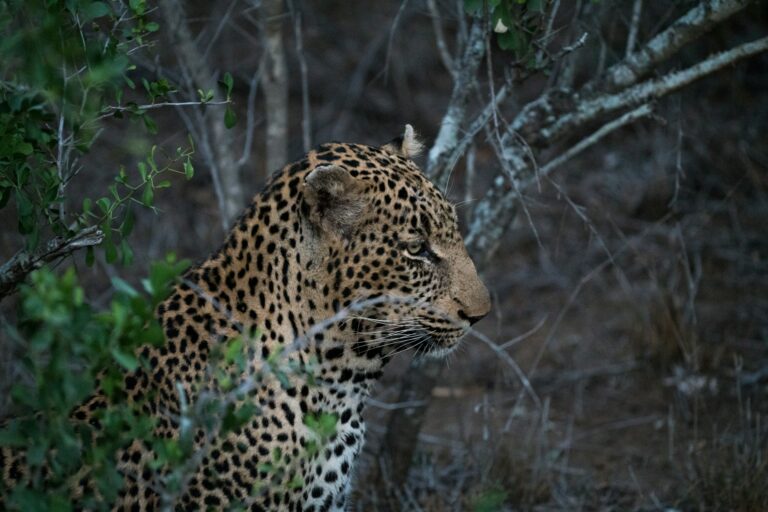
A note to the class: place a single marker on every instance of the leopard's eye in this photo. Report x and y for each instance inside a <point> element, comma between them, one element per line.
<point>416,248</point>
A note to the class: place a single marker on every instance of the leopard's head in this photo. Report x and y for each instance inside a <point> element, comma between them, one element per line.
<point>389,250</point>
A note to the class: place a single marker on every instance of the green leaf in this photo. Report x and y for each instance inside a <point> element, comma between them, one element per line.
<point>104,204</point>
<point>124,359</point>
<point>189,171</point>
<point>149,124</point>
<point>234,350</point>
<point>490,500</point>
<point>145,83</point>
<point>228,82</point>
<point>148,196</point>
<point>122,286</point>
<point>110,251</point>
<point>115,194</point>
<point>509,40</point>
<point>296,482</point>
<point>328,424</point>
<point>126,253</point>
<point>138,6</point>
<point>230,118</point>
<point>94,10</point>
<point>472,6</point>
<point>142,170</point>
<point>127,226</point>
<point>152,27</point>
<point>25,148</point>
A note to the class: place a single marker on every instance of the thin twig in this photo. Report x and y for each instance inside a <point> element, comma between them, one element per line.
<point>442,46</point>
<point>219,28</point>
<point>250,124</point>
<point>306,120</point>
<point>524,380</point>
<point>111,109</point>
<point>391,38</point>
<point>634,26</point>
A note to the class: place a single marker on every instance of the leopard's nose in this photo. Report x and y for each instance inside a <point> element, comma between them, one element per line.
<point>471,319</point>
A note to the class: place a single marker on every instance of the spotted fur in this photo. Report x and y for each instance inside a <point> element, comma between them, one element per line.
<point>352,233</point>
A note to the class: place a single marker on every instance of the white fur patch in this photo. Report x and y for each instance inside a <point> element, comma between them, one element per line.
<point>412,146</point>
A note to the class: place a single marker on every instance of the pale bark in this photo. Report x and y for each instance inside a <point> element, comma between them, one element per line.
<point>448,136</point>
<point>695,23</point>
<point>275,83</point>
<point>555,120</point>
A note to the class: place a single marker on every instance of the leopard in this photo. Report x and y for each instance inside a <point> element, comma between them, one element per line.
<point>346,258</point>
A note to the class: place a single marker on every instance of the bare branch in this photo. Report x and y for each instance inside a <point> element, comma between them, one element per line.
<point>590,110</point>
<point>685,29</point>
<point>250,124</point>
<point>634,26</point>
<point>628,118</point>
<point>447,137</point>
<point>504,356</point>
<point>548,31</point>
<point>15,270</point>
<point>442,46</point>
<point>474,128</point>
<point>391,37</point>
<point>495,211</point>
<point>223,21</point>
<point>111,109</point>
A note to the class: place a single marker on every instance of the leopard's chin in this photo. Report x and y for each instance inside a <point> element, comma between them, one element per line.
<point>440,347</point>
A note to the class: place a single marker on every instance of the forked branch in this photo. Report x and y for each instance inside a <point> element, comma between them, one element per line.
<point>15,270</point>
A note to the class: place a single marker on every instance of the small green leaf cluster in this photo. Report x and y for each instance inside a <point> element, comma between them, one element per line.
<point>491,499</point>
<point>65,69</point>
<point>69,351</point>
<point>114,213</point>
<point>323,426</point>
<point>516,23</point>
<point>230,118</point>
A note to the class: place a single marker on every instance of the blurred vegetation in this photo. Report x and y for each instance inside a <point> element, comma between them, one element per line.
<point>68,350</point>
<point>65,73</point>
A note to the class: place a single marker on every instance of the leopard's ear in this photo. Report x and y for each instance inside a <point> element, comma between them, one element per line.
<point>335,198</point>
<point>407,145</point>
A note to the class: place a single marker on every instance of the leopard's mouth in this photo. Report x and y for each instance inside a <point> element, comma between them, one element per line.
<point>441,341</point>
<point>429,337</point>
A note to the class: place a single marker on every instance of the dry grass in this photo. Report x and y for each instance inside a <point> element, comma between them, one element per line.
<point>730,470</point>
